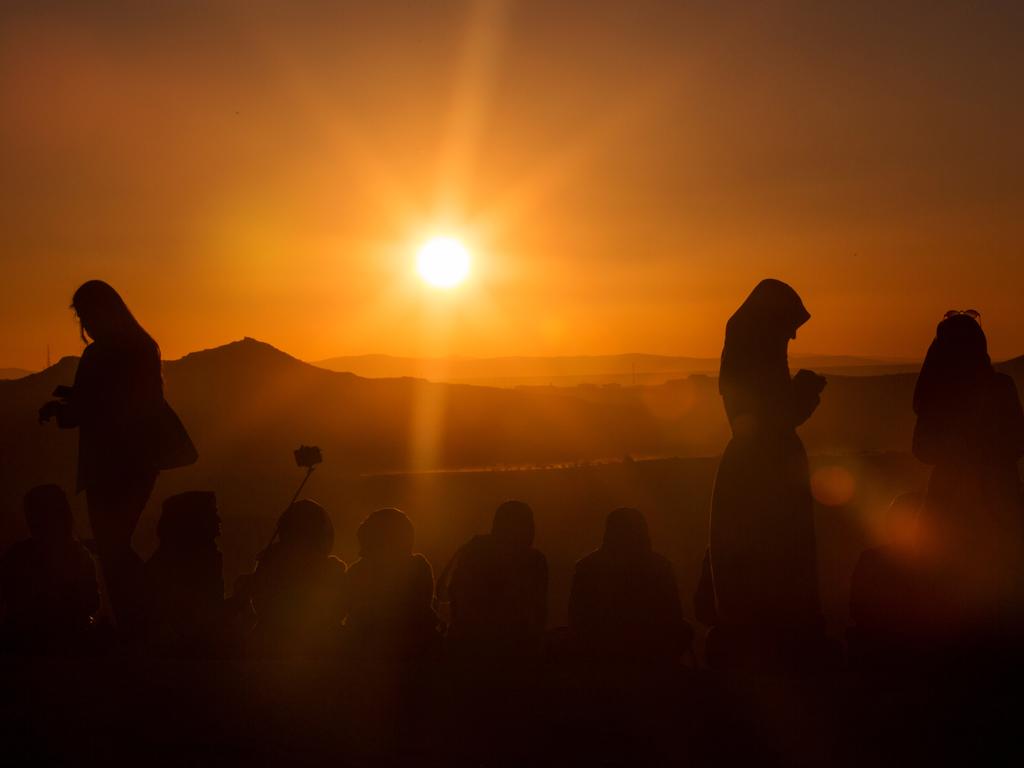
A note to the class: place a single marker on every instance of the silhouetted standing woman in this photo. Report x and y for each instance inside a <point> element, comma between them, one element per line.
<point>762,543</point>
<point>127,433</point>
<point>970,427</point>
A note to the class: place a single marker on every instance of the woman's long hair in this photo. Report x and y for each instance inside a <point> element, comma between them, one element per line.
<point>758,332</point>
<point>108,314</point>
<point>956,363</point>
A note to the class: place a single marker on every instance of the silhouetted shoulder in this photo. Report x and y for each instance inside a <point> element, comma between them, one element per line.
<point>335,571</point>
<point>589,562</point>
<point>421,567</point>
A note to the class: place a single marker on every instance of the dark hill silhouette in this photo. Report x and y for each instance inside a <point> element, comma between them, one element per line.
<point>246,403</point>
<point>13,373</point>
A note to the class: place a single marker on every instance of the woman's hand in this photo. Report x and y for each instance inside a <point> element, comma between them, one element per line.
<point>49,411</point>
<point>807,386</point>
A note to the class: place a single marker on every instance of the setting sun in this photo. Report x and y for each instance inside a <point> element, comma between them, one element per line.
<point>443,261</point>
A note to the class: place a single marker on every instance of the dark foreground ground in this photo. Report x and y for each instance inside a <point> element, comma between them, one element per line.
<point>125,711</point>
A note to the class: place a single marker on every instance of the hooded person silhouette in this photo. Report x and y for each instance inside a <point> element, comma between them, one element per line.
<point>970,428</point>
<point>48,588</point>
<point>624,604</point>
<point>762,543</point>
<point>498,589</point>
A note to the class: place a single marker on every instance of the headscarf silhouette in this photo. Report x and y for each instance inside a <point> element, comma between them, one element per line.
<point>762,542</point>
<point>757,333</point>
<point>754,376</point>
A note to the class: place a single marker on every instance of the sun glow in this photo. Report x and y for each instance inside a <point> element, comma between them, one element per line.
<point>443,262</point>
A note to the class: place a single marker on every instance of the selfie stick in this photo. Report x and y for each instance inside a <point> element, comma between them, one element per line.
<point>309,471</point>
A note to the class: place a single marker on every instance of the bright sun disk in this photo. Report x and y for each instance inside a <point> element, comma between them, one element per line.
<point>443,261</point>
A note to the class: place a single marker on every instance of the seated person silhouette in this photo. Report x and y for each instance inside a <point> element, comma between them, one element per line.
<point>624,604</point>
<point>297,587</point>
<point>497,589</point>
<point>184,578</point>
<point>889,595</point>
<point>48,586</point>
<point>390,591</point>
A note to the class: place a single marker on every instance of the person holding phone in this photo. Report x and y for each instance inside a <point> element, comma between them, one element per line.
<point>762,542</point>
<point>127,433</point>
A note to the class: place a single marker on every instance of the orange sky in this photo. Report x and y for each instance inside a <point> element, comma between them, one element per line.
<point>623,172</point>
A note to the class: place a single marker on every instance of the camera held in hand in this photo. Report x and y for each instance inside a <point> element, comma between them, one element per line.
<point>308,456</point>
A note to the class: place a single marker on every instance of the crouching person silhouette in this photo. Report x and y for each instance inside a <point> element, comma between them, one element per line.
<point>184,579</point>
<point>390,592</point>
<point>497,586</point>
<point>48,586</point>
<point>891,607</point>
<point>297,588</point>
<point>624,607</point>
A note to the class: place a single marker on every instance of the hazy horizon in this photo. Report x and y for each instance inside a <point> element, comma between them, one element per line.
<point>832,358</point>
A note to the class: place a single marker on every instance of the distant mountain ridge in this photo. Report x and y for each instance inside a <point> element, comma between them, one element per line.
<point>626,368</point>
<point>13,373</point>
<point>247,404</point>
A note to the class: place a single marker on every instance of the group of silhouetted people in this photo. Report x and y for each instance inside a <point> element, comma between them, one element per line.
<point>951,571</point>
<point>302,601</point>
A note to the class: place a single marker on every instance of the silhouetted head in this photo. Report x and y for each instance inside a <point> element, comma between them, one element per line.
<point>386,533</point>
<point>625,531</point>
<point>306,526</point>
<point>189,519</point>
<point>772,308</point>
<point>103,315</point>
<point>759,331</point>
<point>956,361</point>
<point>513,525</point>
<point>48,513</point>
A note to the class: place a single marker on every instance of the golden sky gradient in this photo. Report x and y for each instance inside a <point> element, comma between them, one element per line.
<point>623,172</point>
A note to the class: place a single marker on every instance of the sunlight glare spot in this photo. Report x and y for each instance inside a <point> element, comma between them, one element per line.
<point>443,262</point>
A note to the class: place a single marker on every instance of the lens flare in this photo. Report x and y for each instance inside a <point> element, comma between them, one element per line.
<point>833,485</point>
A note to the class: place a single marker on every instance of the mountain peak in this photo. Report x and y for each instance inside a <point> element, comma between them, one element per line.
<point>246,352</point>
